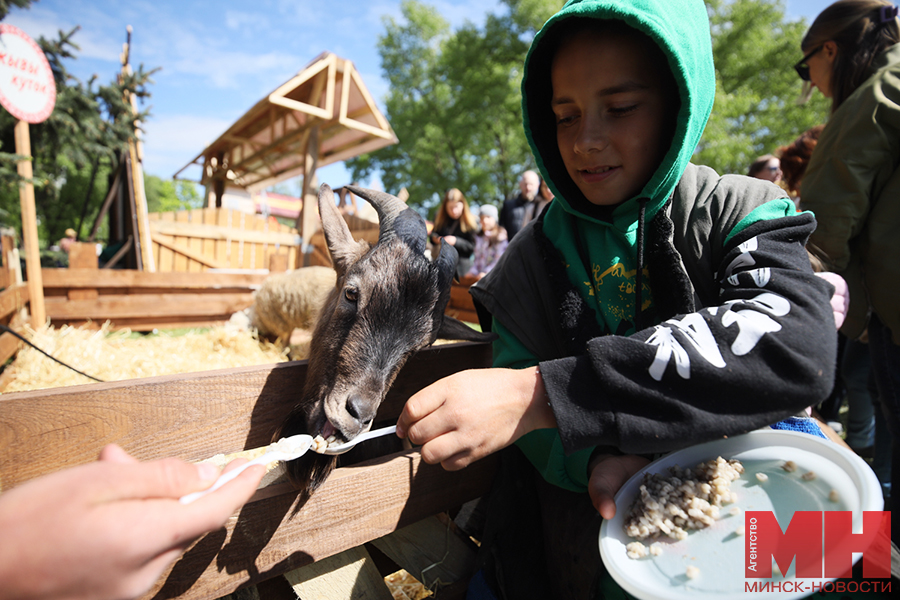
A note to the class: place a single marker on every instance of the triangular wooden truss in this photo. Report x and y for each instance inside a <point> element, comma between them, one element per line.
<point>322,115</point>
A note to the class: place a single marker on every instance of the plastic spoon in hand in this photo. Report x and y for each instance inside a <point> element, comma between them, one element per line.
<point>341,448</point>
<point>288,448</point>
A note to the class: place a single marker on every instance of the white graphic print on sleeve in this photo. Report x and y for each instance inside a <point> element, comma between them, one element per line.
<point>752,322</point>
<point>697,333</point>
<point>760,277</point>
<point>743,259</point>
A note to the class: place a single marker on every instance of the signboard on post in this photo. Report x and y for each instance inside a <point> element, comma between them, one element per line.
<point>27,88</point>
<point>28,92</point>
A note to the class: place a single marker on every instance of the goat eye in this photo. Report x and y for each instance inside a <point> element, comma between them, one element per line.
<point>351,294</point>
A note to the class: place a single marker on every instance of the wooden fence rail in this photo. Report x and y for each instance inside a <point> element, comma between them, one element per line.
<point>144,301</point>
<point>199,415</point>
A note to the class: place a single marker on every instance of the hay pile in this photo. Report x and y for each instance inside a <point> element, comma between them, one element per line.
<point>118,355</point>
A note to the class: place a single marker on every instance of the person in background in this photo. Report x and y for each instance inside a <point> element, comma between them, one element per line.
<point>109,529</point>
<point>851,54</point>
<point>794,159</point>
<point>455,225</point>
<point>766,167</point>
<point>512,214</point>
<point>536,207</point>
<point>490,243</point>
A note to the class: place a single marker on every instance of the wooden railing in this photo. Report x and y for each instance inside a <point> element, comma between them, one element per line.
<point>199,415</point>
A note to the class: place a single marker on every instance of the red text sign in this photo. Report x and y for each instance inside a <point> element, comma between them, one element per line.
<point>822,543</point>
<point>27,88</point>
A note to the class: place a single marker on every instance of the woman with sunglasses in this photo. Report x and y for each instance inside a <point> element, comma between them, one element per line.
<point>852,184</point>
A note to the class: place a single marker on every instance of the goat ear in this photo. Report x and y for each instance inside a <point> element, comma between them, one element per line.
<point>454,329</point>
<point>343,248</point>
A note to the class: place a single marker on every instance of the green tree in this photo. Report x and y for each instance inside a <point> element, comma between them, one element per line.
<point>164,195</point>
<point>756,108</point>
<point>455,103</point>
<point>75,149</point>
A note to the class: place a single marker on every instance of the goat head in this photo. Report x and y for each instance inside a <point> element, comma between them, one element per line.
<point>388,303</point>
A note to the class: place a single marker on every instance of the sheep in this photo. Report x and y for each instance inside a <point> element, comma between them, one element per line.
<point>289,301</point>
<point>388,303</point>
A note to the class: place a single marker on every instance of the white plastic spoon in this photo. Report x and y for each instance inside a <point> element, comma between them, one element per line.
<point>288,448</point>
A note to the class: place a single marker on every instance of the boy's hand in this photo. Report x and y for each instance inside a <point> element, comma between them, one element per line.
<point>468,415</point>
<point>607,474</point>
<point>109,529</point>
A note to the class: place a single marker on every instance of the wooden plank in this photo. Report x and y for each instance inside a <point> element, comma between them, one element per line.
<point>222,248</point>
<point>9,345</point>
<point>166,255</point>
<point>196,244</point>
<point>12,299</point>
<point>152,323</point>
<point>350,575</point>
<point>430,551</point>
<point>182,260</point>
<point>113,306</point>
<point>237,409</point>
<point>270,536</point>
<point>208,217</point>
<point>183,254</point>
<point>130,278</point>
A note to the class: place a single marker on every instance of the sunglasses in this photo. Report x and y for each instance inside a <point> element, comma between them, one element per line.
<point>802,68</point>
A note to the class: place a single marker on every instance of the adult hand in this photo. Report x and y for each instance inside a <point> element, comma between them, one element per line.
<point>450,239</point>
<point>109,529</point>
<point>468,415</point>
<point>840,300</point>
<point>607,474</point>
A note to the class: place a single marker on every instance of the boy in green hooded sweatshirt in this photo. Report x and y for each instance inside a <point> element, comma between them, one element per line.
<point>654,304</point>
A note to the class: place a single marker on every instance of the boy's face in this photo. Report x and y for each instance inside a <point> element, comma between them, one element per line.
<point>611,113</point>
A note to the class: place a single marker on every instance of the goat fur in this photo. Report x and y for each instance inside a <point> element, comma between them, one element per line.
<point>388,303</point>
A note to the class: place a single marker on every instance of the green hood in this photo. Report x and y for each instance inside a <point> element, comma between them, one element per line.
<point>681,29</point>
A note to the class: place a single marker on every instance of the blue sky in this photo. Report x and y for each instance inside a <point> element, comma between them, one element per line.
<point>219,57</point>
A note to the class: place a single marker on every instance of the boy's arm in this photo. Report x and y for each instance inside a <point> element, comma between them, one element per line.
<point>765,352</point>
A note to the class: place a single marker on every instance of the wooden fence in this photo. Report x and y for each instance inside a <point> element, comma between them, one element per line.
<point>13,294</point>
<point>144,301</point>
<point>219,238</point>
<point>386,503</point>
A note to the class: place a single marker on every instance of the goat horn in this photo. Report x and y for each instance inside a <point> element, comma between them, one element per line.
<point>386,205</point>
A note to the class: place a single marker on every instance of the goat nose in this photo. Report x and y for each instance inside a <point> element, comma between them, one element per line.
<point>360,410</point>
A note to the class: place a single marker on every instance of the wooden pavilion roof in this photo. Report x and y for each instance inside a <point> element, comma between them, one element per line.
<point>270,142</point>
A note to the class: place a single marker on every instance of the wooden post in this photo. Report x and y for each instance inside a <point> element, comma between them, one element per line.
<point>309,209</point>
<point>29,228</point>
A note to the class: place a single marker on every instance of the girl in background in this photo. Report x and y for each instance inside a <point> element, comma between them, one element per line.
<point>455,225</point>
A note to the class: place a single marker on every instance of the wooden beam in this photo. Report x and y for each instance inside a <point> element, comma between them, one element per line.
<point>130,278</point>
<point>12,299</point>
<point>350,574</point>
<point>168,242</point>
<point>9,345</point>
<point>114,306</point>
<point>238,409</point>
<point>216,232</point>
<point>29,225</point>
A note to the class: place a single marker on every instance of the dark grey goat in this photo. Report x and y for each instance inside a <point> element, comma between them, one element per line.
<point>388,303</point>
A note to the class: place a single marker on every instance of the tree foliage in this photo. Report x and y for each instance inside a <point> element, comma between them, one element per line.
<point>164,195</point>
<point>455,102</point>
<point>75,149</point>
<point>756,108</point>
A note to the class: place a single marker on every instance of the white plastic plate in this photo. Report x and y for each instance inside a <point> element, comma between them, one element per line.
<point>718,552</point>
